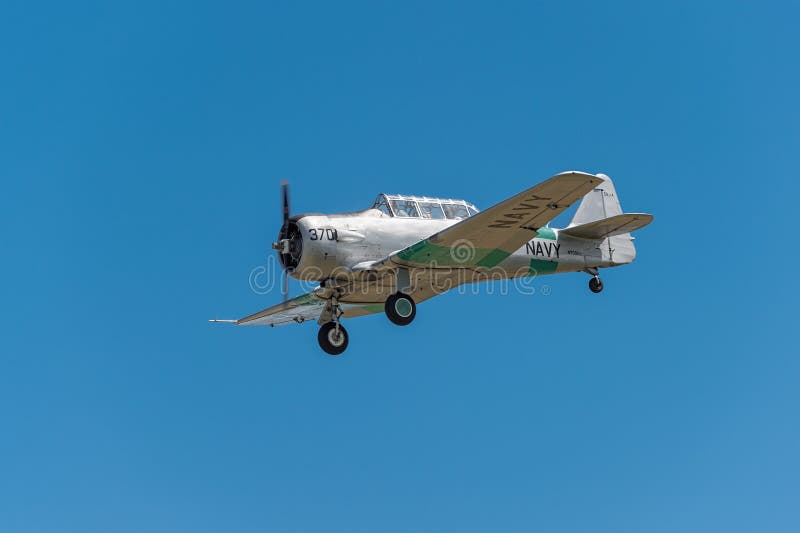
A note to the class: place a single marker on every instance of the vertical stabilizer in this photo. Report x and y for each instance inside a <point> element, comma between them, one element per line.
<point>599,204</point>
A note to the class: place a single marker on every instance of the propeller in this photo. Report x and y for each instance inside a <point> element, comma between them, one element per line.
<point>285,201</point>
<point>284,226</point>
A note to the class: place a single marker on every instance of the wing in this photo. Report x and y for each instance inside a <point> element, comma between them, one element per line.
<point>309,306</point>
<point>486,239</point>
<point>305,307</point>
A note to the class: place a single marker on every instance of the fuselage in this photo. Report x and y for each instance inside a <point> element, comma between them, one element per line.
<point>330,244</point>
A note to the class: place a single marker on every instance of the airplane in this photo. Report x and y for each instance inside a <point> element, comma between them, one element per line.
<point>404,250</point>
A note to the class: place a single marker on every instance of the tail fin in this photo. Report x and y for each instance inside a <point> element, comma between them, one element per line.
<point>600,204</point>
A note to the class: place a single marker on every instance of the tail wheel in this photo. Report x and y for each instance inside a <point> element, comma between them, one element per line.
<point>595,284</point>
<point>334,341</point>
<point>400,309</point>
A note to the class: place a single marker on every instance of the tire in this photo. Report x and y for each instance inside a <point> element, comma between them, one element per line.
<point>595,285</point>
<point>328,341</point>
<point>400,309</point>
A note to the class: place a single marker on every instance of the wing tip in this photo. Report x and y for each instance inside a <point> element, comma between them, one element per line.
<point>224,320</point>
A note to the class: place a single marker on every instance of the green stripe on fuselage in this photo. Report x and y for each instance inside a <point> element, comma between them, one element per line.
<point>493,258</point>
<point>540,266</point>
<point>546,233</point>
<point>426,253</point>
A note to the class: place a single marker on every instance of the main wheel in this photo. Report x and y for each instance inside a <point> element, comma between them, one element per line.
<point>595,285</point>
<point>400,309</point>
<point>332,341</point>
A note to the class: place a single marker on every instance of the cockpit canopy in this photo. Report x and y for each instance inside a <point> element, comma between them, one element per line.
<point>397,205</point>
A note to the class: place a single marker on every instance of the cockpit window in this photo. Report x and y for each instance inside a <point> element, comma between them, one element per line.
<point>431,210</point>
<point>455,211</point>
<point>382,205</point>
<point>423,207</point>
<point>405,208</point>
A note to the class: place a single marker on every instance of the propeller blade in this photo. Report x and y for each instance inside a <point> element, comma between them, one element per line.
<point>285,200</point>
<point>286,210</point>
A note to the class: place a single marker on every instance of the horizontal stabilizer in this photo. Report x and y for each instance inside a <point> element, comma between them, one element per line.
<point>608,227</point>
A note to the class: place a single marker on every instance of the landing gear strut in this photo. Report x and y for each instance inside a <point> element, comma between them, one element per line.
<point>400,309</point>
<point>332,336</point>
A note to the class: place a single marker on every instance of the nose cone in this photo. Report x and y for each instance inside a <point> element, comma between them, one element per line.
<point>289,245</point>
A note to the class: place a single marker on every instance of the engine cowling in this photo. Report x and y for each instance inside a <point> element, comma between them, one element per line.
<point>318,247</point>
<point>307,248</point>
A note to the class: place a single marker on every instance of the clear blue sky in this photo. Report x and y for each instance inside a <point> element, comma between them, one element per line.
<point>141,149</point>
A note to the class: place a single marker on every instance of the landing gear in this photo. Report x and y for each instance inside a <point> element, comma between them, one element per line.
<point>596,284</point>
<point>400,309</point>
<point>333,338</point>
